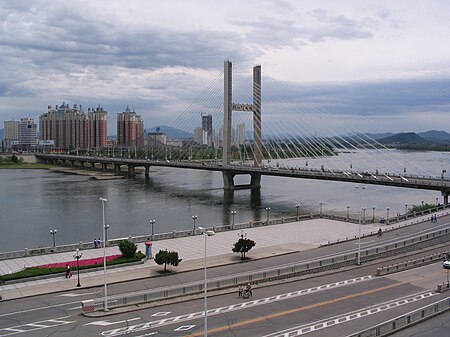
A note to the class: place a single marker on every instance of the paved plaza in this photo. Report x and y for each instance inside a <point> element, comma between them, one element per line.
<point>270,240</point>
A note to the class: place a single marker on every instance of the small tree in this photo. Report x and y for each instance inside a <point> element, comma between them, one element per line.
<point>14,159</point>
<point>243,245</point>
<point>127,248</point>
<point>165,257</point>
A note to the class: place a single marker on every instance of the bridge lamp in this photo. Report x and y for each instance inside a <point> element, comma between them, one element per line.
<point>206,233</point>
<point>53,233</point>
<point>373,213</point>
<point>194,217</point>
<point>406,209</point>
<point>348,211</point>
<point>106,234</point>
<point>360,188</point>
<point>268,214</point>
<point>297,206</point>
<point>105,306</point>
<point>233,213</point>
<point>387,215</point>
<point>321,207</point>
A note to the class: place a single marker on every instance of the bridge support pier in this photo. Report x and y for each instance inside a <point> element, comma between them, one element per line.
<point>117,168</point>
<point>228,181</point>
<point>104,167</point>
<point>92,166</point>
<point>147,171</point>
<point>445,194</point>
<point>131,171</point>
<point>72,163</point>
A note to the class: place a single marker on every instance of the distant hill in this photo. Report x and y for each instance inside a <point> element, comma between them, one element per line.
<point>433,136</point>
<point>404,138</point>
<point>171,132</point>
<point>377,136</point>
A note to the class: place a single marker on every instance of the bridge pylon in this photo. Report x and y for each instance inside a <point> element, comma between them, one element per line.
<point>228,108</point>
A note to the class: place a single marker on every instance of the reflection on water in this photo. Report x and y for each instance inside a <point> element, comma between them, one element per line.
<point>35,201</point>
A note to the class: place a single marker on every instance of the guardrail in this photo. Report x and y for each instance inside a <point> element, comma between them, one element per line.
<point>394,268</point>
<point>405,320</point>
<point>264,275</point>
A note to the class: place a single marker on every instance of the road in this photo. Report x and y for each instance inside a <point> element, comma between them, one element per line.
<point>298,306</point>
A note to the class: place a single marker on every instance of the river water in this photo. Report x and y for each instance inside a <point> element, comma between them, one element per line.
<point>32,202</point>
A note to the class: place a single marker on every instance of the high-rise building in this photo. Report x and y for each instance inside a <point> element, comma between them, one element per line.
<point>11,130</point>
<point>207,128</point>
<point>130,129</point>
<point>240,134</point>
<point>27,133</point>
<point>71,128</point>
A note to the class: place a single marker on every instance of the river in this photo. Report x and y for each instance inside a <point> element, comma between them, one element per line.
<point>35,201</point>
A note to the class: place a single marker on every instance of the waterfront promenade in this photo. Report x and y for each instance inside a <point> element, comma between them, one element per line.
<point>270,241</point>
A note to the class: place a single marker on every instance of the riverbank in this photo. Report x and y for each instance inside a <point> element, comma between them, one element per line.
<point>98,175</point>
<point>40,166</point>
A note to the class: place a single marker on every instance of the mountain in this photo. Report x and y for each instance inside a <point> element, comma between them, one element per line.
<point>171,132</point>
<point>404,138</point>
<point>377,136</point>
<point>433,136</point>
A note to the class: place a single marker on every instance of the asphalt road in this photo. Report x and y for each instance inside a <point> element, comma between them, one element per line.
<point>296,306</point>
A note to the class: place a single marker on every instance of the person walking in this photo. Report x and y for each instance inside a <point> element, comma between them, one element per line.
<point>241,288</point>
<point>249,290</point>
<point>68,271</point>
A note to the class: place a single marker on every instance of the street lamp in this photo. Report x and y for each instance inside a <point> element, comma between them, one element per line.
<point>437,201</point>
<point>233,213</point>
<point>206,233</point>
<point>364,215</point>
<point>268,214</point>
<point>373,213</point>
<point>53,232</point>
<point>406,209</point>
<point>348,210</point>
<point>77,255</point>
<point>106,234</point>
<point>105,306</point>
<point>152,222</point>
<point>387,215</point>
<point>360,188</point>
<point>297,206</point>
<point>194,217</point>
<point>321,205</point>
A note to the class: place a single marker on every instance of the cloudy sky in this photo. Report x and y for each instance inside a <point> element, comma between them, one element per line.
<point>377,65</point>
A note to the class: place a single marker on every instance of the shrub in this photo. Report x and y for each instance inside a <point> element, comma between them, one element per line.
<point>127,248</point>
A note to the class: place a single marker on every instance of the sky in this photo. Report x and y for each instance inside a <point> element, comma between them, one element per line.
<point>379,66</point>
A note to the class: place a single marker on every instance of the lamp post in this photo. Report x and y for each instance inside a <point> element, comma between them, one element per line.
<point>387,215</point>
<point>194,217</point>
<point>360,188</point>
<point>406,209</point>
<point>297,206</point>
<point>348,212</point>
<point>268,214</point>
<point>321,206</point>
<point>442,176</point>
<point>437,201</point>
<point>106,234</point>
<point>105,306</point>
<point>373,213</point>
<point>364,215</point>
<point>53,232</point>
<point>77,255</point>
<point>233,213</point>
<point>152,222</point>
<point>206,233</point>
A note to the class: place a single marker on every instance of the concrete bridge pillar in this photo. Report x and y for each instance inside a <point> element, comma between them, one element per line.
<point>72,163</point>
<point>104,166</point>
<point>131,170</point>
<point>117,168</point>
<point>255,181</point>
<point>93,166</point>
<point>445,195</point>
<point>228,180</point>
<point>147,171</point>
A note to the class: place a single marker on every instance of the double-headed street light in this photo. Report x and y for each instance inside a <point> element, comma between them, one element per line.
<point>194,217</point>
<point>53,232</point>
<point>77,255</point>
<point>206,233</point>
<point>105,306</point>
<point>152,222</point>
<point>233,213</point>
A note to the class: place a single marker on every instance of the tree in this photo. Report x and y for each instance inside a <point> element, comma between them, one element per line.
<point>243,245</point>
<point>14,159</point>
<point>127,248</point>
<point>165,257</point>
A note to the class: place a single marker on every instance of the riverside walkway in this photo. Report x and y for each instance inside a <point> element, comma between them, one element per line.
<point>270,241</point>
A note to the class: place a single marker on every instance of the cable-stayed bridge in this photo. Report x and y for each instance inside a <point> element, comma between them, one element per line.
<point>289,133</point>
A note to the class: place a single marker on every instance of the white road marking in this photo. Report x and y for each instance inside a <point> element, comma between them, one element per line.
<point>50,323</point>
<point>161,313</point>
<point>232,307</point>
<point>74,294</point>
<point>106,323</point>
<point>184,328</point>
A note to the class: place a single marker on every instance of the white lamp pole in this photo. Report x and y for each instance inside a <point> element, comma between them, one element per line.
<point>348,210</point>
<point>360,188</point>
<point>233,213</point>
<point>105,306</point>
<point>297,206</point>
<point>206,233</point>
<point>152,222</point>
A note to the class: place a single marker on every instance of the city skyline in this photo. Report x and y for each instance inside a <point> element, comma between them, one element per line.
<point>379,66</point>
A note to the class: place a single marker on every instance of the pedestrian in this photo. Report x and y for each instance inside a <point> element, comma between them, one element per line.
<point>435,218</point>
<point>241,288</point>
<point>95,243</point>
<point>249,290</point>
<point>68,271</point>
<point>99,242</point>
